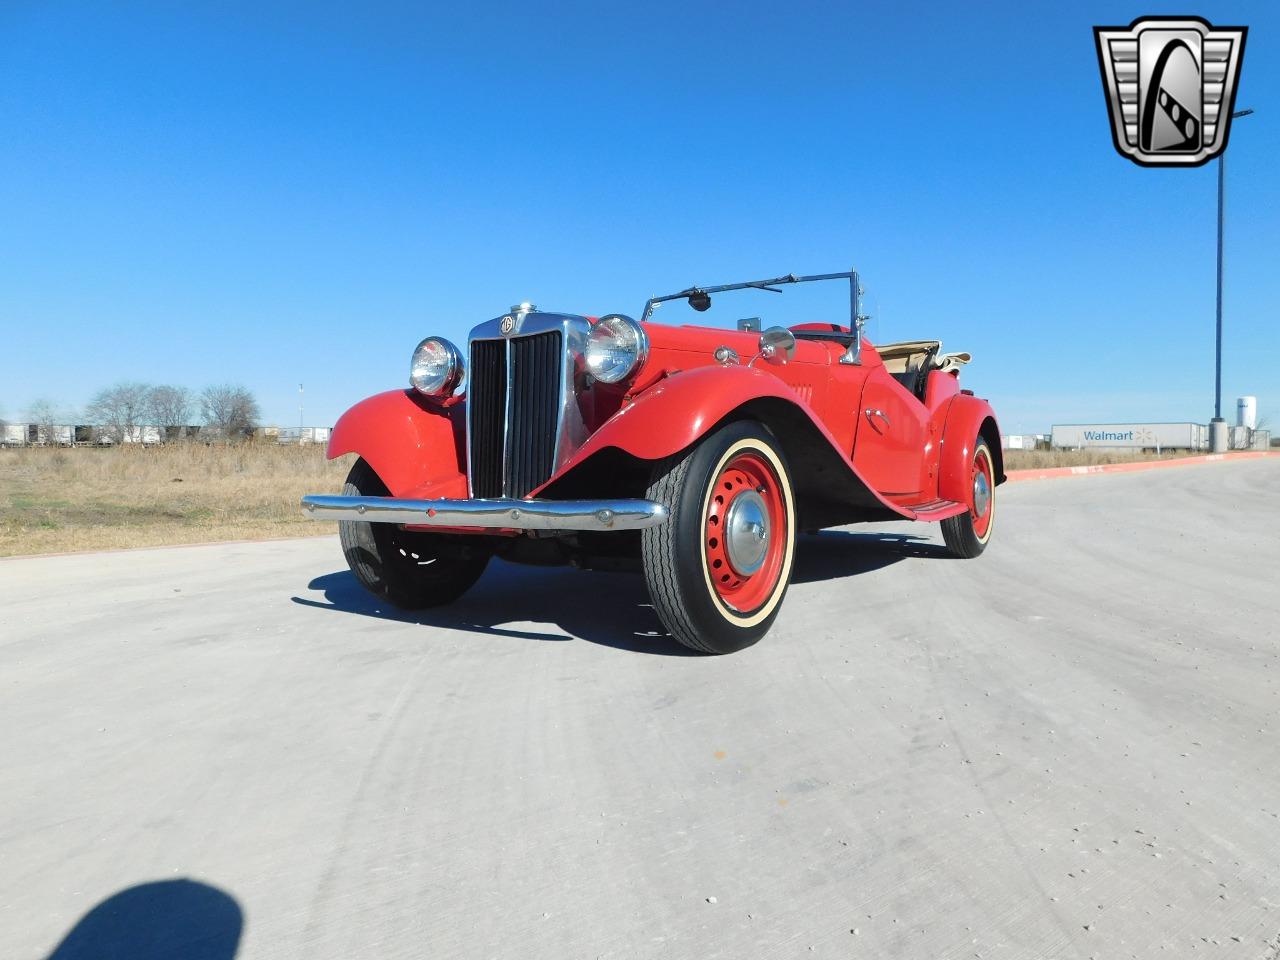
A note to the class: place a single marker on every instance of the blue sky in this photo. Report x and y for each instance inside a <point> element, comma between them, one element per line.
<point>270,193</point>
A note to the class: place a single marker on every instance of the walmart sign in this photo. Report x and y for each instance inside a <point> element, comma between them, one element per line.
<point>1131,436</point>
<point>1094,436</point>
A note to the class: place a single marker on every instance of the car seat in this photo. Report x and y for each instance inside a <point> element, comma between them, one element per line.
<point>909,362</point>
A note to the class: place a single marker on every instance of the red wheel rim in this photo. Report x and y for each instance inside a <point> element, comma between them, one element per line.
<point>982,507</point>
<point>751,477</point>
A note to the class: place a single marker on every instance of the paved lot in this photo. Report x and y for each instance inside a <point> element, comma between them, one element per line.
<point>1067,748</point>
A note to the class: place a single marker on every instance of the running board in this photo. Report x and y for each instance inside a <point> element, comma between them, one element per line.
<point>937,509</point>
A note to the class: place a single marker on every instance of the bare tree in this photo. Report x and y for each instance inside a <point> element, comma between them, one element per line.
<point>169,408</point>
<point>1263,424</point>
<point>44,415</point>
<point>119,410</point>
<point>230,409</point>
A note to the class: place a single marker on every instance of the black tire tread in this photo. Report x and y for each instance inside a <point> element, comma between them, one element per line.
<point>961,541</point>
<point>958,532</point>
<point>670,556</point>
<point>658,553</point>
<point>372,553</point>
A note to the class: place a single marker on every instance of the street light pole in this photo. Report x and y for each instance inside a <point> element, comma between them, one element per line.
<point>1218,428</point>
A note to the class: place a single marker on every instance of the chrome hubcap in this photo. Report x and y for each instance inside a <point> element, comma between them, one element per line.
<point>981,494</point>
<point>747,533</point>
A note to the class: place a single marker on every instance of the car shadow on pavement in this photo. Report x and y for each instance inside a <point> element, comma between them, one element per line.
<point>834,554</point>
<point>157,921</point>
<point>610,609</point>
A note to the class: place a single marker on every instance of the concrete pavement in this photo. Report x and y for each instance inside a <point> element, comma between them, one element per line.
<point>1066,748</point>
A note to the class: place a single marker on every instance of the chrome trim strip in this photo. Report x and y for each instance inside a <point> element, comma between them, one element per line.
<point>510,369</point>
<point>466,421</point>
<point>505,514</point>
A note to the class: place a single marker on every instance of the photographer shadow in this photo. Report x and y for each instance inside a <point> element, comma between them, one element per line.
<point>157,921</point>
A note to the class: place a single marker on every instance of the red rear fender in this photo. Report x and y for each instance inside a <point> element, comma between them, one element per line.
<point>968,418</point>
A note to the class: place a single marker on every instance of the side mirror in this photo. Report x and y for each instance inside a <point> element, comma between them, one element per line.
<point>700,301</point>
<point>777,344</point>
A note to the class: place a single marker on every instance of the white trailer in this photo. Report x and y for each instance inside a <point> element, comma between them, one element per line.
<point>145,435</point>
<point>1019,441</point>
<point>1130,436</point>
<point>54,435</point>
<point>13,435</point>
<point>303,435</point>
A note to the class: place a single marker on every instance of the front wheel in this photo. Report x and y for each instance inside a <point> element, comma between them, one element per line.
<point>966,534</point>
<point>412,570</point>
<point>718,569</point>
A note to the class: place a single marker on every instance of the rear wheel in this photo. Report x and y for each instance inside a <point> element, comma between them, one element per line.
<point>410,569</point>
<point>967,534</point>
<point>718,569</point>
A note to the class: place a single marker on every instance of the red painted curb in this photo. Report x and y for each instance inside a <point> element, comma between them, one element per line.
<point>1051,473</point>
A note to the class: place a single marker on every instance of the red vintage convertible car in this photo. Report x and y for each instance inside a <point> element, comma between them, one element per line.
<point>695,453</point>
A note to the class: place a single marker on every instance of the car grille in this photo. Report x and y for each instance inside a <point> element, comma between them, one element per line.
<point>513,438</point>
<point>486,403</point>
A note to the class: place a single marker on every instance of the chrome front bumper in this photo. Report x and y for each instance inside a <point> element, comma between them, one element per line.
<point>605,515</point>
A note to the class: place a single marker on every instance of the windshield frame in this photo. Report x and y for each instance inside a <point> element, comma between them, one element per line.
<point>855,293</point>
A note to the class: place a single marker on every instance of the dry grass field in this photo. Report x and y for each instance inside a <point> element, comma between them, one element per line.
<point>59,500</point>
<point>1040,459</point>
<point>62,500</point>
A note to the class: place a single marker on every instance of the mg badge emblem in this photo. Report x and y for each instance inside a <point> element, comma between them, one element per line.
<point>1171,86</point>
<point>507,325</point>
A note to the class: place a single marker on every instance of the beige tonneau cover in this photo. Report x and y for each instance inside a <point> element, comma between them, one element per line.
<point>911,355</point>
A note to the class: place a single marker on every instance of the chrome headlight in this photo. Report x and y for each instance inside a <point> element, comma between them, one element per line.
<point>617,346</point>
<point>436,368</point>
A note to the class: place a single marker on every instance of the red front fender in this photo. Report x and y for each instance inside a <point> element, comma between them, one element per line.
<point>677,411</point>
<point>418,448</point>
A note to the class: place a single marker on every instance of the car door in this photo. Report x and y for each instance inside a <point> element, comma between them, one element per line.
<point>889,443</point>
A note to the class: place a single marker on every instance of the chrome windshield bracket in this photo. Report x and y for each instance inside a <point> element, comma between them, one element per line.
<point>857,320</point>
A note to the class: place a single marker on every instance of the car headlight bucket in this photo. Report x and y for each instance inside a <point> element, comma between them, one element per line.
<point>616,347</point>
<point>436,368</point>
